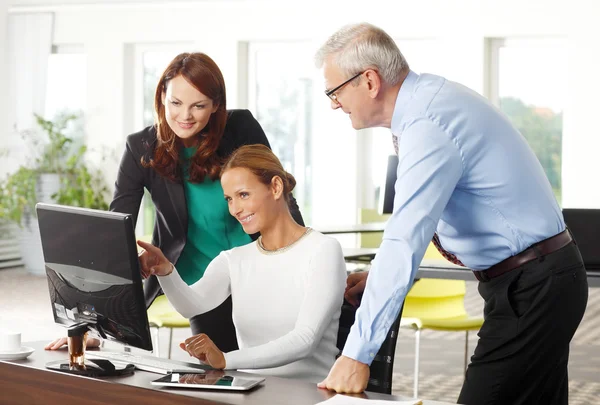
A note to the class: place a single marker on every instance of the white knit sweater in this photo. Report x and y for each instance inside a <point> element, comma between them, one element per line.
<point>286,305</point>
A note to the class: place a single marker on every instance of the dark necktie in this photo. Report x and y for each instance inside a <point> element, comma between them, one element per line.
<point>436,240</point>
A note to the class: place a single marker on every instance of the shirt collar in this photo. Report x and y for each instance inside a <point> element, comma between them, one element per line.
<point>404,96</point>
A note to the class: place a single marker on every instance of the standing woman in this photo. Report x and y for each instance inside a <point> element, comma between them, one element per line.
<point>178,160</point>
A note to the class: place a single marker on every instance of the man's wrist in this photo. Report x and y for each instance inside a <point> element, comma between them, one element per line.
<point>357,361</point>
<point>360,350</point>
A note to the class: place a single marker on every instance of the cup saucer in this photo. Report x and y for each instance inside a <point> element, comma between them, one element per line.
<point>20,354</point>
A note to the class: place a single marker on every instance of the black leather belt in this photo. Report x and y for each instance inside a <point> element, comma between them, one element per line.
<point>539,249</point>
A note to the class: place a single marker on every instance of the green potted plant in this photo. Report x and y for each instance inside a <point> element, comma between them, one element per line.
<point>57,173</point>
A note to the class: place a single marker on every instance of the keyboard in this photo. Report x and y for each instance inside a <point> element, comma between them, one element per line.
<point>148,363</point>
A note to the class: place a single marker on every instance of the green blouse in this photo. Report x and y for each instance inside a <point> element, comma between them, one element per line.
<point>211,229</point>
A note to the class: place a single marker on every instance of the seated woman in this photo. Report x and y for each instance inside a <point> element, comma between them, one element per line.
<point>287,287</point>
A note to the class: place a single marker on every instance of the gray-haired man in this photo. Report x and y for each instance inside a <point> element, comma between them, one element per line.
<point>468,180</point>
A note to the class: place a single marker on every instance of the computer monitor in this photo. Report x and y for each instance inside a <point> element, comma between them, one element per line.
<point>584,224</point>
<point>93,272</point>
<point>387,197</point>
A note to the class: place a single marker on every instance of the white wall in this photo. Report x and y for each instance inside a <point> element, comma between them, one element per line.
<point>217,27</point>
<point>4,121</point>
<point>581,144</point>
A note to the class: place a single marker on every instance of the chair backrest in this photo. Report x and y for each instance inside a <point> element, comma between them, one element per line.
<point>433,298</point>
<point>162,314</point>
<point>382,367</point>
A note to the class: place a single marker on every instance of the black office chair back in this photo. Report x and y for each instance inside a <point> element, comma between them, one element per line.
<point>382,367</point>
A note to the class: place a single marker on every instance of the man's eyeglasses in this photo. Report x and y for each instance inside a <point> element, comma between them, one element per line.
<point>331,93</point>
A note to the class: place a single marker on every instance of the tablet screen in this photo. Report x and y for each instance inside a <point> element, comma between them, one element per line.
<point>207,378</point>
<point>215,379</point>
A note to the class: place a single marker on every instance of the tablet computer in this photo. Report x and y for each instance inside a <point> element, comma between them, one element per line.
<point>210,379</point>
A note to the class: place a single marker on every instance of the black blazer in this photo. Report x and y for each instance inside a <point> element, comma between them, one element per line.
<point>170,229</point>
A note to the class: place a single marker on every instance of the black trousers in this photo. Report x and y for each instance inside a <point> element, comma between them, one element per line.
<point>531,313</point>
<point>218,326</point>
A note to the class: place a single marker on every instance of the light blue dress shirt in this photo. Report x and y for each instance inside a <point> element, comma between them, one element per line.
<point>465,172</point>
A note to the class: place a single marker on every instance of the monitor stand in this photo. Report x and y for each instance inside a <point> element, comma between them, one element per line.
<point>92,368</point>
<point>89,367</point>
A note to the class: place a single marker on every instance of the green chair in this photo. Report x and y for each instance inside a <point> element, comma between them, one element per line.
<point>162,315</point>
<point>438,305</point>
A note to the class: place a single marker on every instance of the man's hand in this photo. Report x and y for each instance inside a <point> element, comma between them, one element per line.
<point>203,348</point>
<point>355,285</point>
<point>347,376</point>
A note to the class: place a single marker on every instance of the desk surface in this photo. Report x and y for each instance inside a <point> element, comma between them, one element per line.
<point>29,382</point>
<point>441,268</point>
<point>429,268</point>
<point>356,228</point>
<point>363,254</point>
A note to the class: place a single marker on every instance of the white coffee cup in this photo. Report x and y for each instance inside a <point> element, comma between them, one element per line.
<point>10,342</point>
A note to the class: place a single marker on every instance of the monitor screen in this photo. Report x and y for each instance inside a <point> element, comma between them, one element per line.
<point>93,272</point>
<point>387,197</point>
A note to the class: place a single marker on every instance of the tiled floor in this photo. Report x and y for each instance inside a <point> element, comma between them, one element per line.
<point>24,306</point>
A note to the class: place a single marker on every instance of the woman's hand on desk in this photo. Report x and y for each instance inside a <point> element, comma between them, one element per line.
<point>60,342</point>
<point>153,261</point>
<point>355,285</point>
<point>203,348</point>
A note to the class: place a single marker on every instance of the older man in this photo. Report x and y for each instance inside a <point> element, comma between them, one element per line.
<point>468,181</point>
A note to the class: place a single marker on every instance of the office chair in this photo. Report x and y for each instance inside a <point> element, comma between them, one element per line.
<point>438,305</point>
<point>162,315</point>
<point>382,367</point>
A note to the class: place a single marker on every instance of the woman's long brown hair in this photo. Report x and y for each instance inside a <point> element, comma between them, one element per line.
<point>204,74</point>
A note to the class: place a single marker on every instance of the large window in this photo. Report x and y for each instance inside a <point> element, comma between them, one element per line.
<point>281,95</point>
<point>528,82</point>
<point>66,89</point>
<point>66,81</point>
<point>317,145</point>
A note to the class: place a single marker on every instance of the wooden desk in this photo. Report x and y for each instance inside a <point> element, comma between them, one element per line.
<point>357,228</point>
<point>441,268</point>
<point>593,278</point>
<point>433,268</point>
<point>359,254</point>
<point>27,381</point>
